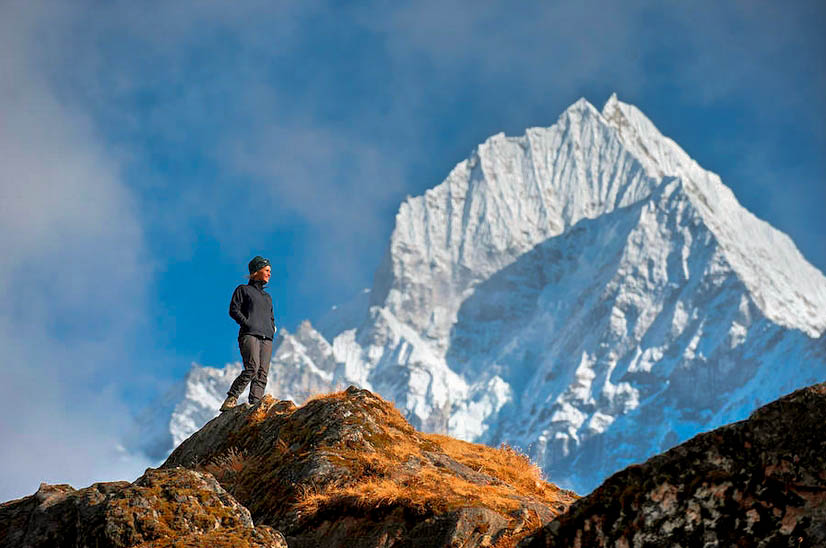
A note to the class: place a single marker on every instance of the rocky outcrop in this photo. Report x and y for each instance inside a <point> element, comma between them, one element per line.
<point>758,482</point>
<point>162,508</point>
<point>348,469</point>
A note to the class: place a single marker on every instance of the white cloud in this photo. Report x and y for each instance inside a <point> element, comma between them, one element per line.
<point>73,273</point>
<point>276,163</point>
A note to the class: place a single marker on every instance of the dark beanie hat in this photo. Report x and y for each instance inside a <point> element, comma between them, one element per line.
<point>257,263</point>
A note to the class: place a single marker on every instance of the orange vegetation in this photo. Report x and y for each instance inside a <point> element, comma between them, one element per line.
<point>504,463</point>
<point>386,465</point>
<point>401,470</point>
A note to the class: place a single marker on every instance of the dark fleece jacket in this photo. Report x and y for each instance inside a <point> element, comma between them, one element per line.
<point>251,307</point>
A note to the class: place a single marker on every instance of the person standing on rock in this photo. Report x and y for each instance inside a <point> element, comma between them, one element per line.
<point>251,307</point>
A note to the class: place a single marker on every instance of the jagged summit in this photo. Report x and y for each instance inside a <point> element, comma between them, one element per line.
<point>515,192</point>
<point>660,155</point>
<point>510,195</point>
<point>566,291</point>
<point>784,285</point>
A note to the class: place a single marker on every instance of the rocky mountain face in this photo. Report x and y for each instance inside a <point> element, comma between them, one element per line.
<point>346,469</point>
<point>759,482</point>
<point>565,292</point>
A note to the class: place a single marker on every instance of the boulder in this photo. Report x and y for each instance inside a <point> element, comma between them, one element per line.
<point>758,482</point>
<point>162,508</point>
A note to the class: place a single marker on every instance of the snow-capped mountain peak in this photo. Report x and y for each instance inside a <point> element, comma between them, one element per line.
<point>785,286</point>
<point>586,292</point>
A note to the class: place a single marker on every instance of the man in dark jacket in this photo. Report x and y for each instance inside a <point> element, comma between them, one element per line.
<point>251,307</point>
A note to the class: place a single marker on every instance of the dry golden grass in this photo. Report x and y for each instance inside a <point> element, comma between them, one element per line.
<point>227,464</point>
<point>228,469</point>
<point>504,463</point>
<point>430,491</point>
<point>260,413</point>
<point>387,465</point>
<point>236,537</point>
<point>325,396</point>
<point>399,471</point>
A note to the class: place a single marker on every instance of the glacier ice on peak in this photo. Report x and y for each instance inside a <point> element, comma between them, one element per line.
<point>567,291</point>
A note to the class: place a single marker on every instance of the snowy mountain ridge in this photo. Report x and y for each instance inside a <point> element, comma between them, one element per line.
<point>766,254</point>
<point>566,292</point>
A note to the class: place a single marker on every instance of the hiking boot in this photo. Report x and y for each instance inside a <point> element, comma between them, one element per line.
<point>229,403</point>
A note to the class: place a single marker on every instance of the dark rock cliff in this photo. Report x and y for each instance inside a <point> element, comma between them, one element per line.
<point>758,482</point>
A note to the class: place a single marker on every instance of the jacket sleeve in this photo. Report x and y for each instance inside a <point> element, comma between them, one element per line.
<point>235,307</point>
<point>272,315</point>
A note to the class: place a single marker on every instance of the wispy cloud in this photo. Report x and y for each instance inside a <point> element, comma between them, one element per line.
<point>339,185</point>
<point>231,130</point>
<point>72,278</point>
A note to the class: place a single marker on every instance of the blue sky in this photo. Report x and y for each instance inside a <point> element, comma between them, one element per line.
<point>150,149</point>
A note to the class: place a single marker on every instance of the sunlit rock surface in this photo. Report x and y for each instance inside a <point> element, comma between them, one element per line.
<point>161,508</point>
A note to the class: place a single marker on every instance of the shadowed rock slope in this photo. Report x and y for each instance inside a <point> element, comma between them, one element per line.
<point>347,469</point>
<point>758,482</point>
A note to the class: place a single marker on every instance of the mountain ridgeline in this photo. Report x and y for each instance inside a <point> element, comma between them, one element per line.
<point>585,292</point>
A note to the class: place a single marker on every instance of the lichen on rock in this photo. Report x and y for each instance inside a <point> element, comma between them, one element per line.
<point>758,482</point>
<point>161,508</point>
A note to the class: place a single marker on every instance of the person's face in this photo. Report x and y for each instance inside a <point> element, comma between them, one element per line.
<point>263,274</point>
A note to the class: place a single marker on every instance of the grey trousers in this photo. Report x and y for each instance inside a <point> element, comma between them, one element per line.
<point>256,353</point>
